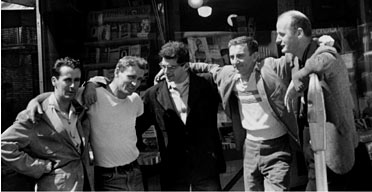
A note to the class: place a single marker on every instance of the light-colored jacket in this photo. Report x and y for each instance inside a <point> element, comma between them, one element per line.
<point>28,149</point>
<point>272,77</point>
<point>342,138</point>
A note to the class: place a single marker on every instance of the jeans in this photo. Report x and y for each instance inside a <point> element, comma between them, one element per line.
<point>110,179</point>
<point>267,164</point>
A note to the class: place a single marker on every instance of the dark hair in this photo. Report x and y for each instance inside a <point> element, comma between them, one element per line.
<point>249,41</point>
<point>298,20</point>
<point>67,61</point>
<point>175,50</point>
<point>128,61</point>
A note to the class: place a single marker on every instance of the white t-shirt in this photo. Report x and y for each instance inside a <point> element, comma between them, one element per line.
<point>255,114</point>
<point>113,123</point>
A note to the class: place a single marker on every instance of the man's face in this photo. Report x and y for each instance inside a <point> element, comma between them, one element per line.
<point>129,79</point>
<point>286,36</point>
<point>241,59</point>
<point>173,71</point>
<point>67,84</point>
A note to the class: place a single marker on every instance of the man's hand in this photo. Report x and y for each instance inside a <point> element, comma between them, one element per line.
<point>90,94</point>
<point>290,96</point>
<point>34,111</point>
<point>159,76</point>
<point>326,40</point>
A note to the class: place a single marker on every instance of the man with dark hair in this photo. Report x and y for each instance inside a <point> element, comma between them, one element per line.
<point>54,151</point>
<point>183,109</point>
<point>113,118</point>
<point>252,95</point>
<point>294,35</point>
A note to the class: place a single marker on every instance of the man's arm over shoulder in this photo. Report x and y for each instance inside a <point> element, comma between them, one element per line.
<point>34,109</point>
<point>99,81</point>
<point>16,138</point>
<point>214,69</point>
<point>219,74</point>
<point>321,61</point>
<point>282,66</point>
<point>89,94</point>
<point>204,67</point>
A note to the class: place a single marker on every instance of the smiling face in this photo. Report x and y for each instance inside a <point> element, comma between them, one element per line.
<point>287,37</point>
<point>241,59</point>
<point>127,80</point>
<point>67,83</point>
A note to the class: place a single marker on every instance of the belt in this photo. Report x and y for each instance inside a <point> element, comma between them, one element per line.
<point>119,169</point>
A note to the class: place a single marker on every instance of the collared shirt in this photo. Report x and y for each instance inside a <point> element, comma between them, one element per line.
<point>69,121</point>
<point>180,95</point>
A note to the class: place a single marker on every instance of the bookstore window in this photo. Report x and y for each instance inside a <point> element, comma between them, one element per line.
<point>19,69</point>
<point>120,28</point>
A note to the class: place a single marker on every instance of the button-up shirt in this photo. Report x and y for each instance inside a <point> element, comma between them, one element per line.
<point>68,120</point>
<point>180,94</point>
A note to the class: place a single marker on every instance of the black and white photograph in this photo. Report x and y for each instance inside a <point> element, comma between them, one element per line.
<point>186,95</point>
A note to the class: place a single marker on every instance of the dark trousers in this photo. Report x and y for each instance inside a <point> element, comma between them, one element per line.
<point>190,173</point>
<point>207,184</point>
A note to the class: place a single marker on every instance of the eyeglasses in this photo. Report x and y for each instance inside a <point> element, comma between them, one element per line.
<point>169,67</point>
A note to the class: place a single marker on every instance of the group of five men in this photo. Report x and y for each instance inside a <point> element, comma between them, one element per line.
<point>60,150</point>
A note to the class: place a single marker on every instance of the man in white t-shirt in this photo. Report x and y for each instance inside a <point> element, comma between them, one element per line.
<point>183,111</point>
<point>113,119</point>
<point>113,135</point>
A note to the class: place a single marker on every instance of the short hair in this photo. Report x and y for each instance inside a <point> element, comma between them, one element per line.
<point>298,19</point>
<point>128,61</point>
<point>66,61</point>
<point>175,50</point>
<point>252,44</point>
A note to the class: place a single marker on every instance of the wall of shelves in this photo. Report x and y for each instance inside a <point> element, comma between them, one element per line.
<point>115,33</point>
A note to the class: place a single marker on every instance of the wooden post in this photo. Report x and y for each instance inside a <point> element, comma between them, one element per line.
<point>39,47</point>
<point>317,121</point>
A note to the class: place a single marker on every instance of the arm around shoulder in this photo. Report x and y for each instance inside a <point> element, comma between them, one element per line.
<point>34,108</point>
<point>203,67</point>
<point>99,81</point>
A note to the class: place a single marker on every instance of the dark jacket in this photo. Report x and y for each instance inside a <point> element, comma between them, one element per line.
<point>193,149</point>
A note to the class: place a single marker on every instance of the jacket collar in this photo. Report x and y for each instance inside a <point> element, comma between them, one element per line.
<point>54,121</point>
<point>165,100</point>
<point>309,51</point>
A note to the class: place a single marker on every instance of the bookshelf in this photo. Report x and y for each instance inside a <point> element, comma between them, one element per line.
<point>108,43</point>
<point>115,33</point>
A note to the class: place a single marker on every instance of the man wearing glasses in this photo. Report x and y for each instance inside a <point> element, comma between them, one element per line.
<point>183,109</point>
